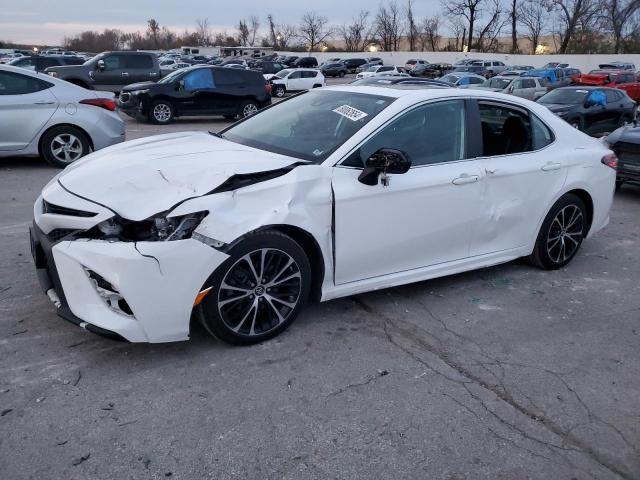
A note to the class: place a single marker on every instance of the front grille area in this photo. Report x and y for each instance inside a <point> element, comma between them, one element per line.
<point>125,97</point>
<point>58,234</point>
<point>70,212</point>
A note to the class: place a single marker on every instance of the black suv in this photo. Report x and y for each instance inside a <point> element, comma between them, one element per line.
<point>353,63</point>
<point>39,63</point>
<point>198,90</point>
<point>306,62</point>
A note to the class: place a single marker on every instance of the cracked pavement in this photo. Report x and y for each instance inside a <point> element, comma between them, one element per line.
<point>503,373</point>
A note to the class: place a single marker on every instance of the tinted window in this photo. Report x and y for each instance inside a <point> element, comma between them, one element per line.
<point>505,130</point>
<point>142,62</point>
<point>432,133</point>
<point>114,62</point>
<point>227,77</point>
<point>612,96</point>
<point>296,74</point>
<point>528,83</point>
<point>476,80</point>
<point>198,79</point>
<point>16,84</point>
<point>542,136</point>
<point>309,74</point>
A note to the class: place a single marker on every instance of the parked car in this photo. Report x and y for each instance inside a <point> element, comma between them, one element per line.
<point>296,80</point>
<point>465,61</point>
<point>289,60</point>
<point>238,66</point>
<point>331,60</point>
<point>110,70</point>
<point>197,90</point>
<point>364,67</point>
<point>353,63</point>
<point>462,79</point>
<point>374,61</point>
<point>382,81</point>
<point>39,62</point>
<point>593,110</point>
<point>7,57</point>
<point>530,88</point>
<point>414,62</point>
<point>430,70</point>
<point>379,69</point>
<point>53,118</point>
<point>267,67</point>
<point>337,69</point>
<point>623,79</point>
<point>238,229</point>
<point>475,69</point>
<point>617,66</point>
<point>306,62</point>
<point>555,65</point>
<point>625,142</point>
<point>549,74</point>
<point>493,67</point>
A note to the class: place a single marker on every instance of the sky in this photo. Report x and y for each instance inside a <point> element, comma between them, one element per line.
<point>49,21</point>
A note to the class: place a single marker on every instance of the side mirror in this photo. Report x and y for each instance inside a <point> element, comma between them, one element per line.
<point>384,161</point>
<point>101,65</point>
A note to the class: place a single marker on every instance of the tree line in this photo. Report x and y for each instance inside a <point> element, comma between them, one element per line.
<point>507,26</point>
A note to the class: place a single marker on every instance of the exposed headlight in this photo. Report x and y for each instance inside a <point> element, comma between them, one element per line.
<point>159,228</point>
<point>53,74</point>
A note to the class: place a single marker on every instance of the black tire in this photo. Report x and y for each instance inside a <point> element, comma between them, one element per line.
<point>341,74</point>
<point>279,91</point>
<point>161,112</point>
<point>248,108</point>
<point>561,234</point>
<point>250,317</point>
<point>63,145</point>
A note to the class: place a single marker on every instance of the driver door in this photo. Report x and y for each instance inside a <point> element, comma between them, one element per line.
<point>424,217</point>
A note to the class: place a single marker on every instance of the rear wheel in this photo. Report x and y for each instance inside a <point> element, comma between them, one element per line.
<point>248,108</point>
<point>258,291</point>
<point>561,234</point>
<point>61,146</point>
<point>341,74</point>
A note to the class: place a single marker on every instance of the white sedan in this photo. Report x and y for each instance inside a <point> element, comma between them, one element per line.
<point>333,192</point>
<point>379,70</point>
<point>295,80</point>
<point>43,115</point>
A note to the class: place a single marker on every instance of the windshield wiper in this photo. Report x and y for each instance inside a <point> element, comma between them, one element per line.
<point>216,134</point>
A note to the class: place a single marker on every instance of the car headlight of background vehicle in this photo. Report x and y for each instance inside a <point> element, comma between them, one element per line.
<point>158,228</point>
<point>138,92</point>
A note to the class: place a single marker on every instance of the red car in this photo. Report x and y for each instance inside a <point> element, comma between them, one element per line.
<point>623,80</point>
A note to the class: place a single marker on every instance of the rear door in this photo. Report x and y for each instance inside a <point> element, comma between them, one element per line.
<point>295,81</point>
<point>519,181</point>
<point>199,93</point>
<point>140,68</point>
<point>26,105</point>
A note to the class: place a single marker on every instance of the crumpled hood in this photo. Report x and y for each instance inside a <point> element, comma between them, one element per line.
<point>140,178</point>
<point>138,86</point>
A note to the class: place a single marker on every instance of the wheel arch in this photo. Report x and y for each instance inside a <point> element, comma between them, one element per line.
<point>310,246</point>
<point>66,124</point>
<point>588,202</point>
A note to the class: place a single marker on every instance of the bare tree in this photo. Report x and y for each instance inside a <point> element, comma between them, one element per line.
<point>469,9</point>
<point>533,16</point>
<point>254,26</point>
<point>153,32</point>
<point>487,40</point>
<point>459,33</point>
<point>619,17</point>
<point>286,33</point>
<point>203,32</point>
<point>313,30</point>
<point>571,14</point>
<point>355,34</point>
<point>514,26</point>
<point>273,35</point>
<point>243,33</point>
<point>412,29</point>
<point>388,26</point>
<point>430,36</point>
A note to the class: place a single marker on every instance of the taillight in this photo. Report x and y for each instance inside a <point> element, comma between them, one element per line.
<point>267,88</point>
<point>105,103</point>
<point>610,161</point>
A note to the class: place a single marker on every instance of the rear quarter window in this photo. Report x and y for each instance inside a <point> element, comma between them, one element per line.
<point>142,62</point>
<point>542,135</point>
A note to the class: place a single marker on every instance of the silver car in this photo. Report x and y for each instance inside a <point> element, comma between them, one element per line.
<point>46,116</point>
<point>530,88</point>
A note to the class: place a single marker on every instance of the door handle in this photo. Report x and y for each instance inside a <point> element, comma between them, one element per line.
<point>551,166</point>
<point>464,179</point>
<point>125,74</point>
<point>44,103</point>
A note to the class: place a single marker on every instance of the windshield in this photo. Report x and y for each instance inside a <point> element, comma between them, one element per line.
<point>309,126</point>
<point>94,60</point>
<point>450,78</point>
<point>372,69</point>
<point>500,83</point>
<point>283,73</point>
<point>565,96</point>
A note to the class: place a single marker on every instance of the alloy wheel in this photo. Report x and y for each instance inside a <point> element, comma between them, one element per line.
<point>249,109</point>
<point>565,234</point>
<point>259,292</point>
<point>66,147</point>
<point>162,112</point>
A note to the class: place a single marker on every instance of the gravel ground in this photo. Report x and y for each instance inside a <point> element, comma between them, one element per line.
<point>503,373</point>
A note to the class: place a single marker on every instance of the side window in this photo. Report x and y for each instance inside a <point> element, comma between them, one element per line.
<point>428,134</point>
<point>611,96</point>
<point>308,74</point>
<point>227,77</point>
<point>385,69</point>
<point>542,136</point>
<point>199,79</point>
<point>139,62</point>
<point>505,130</point>
<point>528,83</point>
<point>113,62</point>
<point>476,80</point>
<point>16,84</point>
<point>464,81</point>
<point>517,84</point>
<point>294,75</point>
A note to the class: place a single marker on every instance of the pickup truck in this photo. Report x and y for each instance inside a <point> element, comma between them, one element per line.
<point>110,70</point>
<point>622,79</point>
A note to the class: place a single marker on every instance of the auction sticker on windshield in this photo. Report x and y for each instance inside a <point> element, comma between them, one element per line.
<point>350,112</point>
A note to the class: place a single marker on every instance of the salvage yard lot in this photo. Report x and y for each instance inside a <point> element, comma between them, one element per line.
<point>508,372</point>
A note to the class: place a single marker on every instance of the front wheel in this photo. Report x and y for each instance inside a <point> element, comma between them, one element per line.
<point>278,91</point>
<point>258,291</point>
<point>561,234</point>
<point>161,112</point>
<point>61,146</point>
<point>341,74</point>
